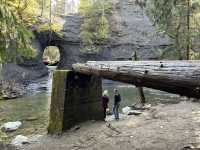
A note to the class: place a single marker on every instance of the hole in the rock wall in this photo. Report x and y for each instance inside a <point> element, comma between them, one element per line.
<point>51,56</point>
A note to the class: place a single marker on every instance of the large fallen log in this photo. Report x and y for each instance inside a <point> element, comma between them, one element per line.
<point>178,77</point>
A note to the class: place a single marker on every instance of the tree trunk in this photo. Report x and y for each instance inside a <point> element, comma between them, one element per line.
<point>188,31</point>
<point>42,9</point>
<point>178,77</point>
<point>140,89</point>
<point>142,97</point>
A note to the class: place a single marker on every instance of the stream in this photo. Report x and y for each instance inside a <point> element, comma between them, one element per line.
<point>33,109</point>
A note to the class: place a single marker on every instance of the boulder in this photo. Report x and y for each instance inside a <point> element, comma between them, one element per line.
<point>134,112</point>
<point>31,118</point>
<point>11,126</point>
<point>19,140</point>
<point>140,107</point>
<point>128,111</point>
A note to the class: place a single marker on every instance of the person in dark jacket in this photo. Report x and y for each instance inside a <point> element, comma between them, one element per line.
<point>117,100</point>
<point>105,101</point>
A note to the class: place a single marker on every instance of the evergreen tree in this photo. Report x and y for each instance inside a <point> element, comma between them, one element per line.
<point>179,19</point>
<point>14,35</point>
<point>95,29</point>
<point>17,20</point>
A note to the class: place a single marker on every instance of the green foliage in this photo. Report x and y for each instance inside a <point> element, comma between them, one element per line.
<point>95,7</point>
<point>17,17</point>
<point>46,27</point>
<point>14,36</point>
<point>103,29</point>
<point>25,10</point>
<point>54,27</point>
<point>84,5</point>
<point>179,19</point>
<point>169,53</point>
<point>95,29</point>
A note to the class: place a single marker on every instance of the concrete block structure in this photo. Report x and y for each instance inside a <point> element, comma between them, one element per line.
<point>75,98</point>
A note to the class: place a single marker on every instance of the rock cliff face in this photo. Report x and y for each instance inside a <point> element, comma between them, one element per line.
<point>130,30</point>
<point>25,71</point>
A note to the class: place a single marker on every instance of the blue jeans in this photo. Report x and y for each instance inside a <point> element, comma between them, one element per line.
<point>116,111</point>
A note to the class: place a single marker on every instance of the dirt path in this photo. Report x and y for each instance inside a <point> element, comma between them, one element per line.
<point>163,127</point>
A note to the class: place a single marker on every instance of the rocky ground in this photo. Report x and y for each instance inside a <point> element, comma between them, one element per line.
<point>162,127</point>
<point>11,89</point>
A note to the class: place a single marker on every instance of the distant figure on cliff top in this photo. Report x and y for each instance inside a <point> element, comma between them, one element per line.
<point>117,100</point>
<point>105,101</point>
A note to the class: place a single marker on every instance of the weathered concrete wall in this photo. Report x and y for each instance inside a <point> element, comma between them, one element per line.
<point>75,98</point>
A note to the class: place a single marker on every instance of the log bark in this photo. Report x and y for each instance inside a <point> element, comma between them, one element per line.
<point>178,77</point>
